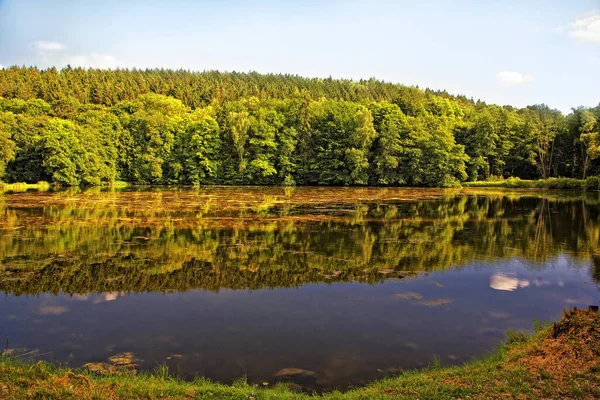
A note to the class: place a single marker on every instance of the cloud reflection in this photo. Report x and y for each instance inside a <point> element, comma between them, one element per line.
<point>507,283</point>
<point>109,296</point>
<point>52,310</point>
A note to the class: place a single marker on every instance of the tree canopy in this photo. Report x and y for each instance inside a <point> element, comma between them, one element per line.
<point>91,127</point>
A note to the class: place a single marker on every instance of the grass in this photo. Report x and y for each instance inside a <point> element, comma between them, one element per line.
<point>558,361</point>
<point>591,183</point>
<point>118,184</point>
<point>23,187</point>
<point>42,186</point>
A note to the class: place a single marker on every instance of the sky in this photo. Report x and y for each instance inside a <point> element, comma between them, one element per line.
<point>504,52</point>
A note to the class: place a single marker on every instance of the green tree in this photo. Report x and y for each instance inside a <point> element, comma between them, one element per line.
<point>7,145</point>
<point>154,123</point>
<point>239,124</point>
<point>263,132</point>
<point>198,147</point>
<point>63,156</point>
<point>543,124</point>
<point>390,149</point>
<point>340,138</point>
<point>582,125</point>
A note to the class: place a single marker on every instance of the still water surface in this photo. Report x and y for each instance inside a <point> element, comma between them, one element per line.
<point>334,286</point>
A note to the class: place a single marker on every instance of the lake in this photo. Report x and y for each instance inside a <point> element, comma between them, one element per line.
<point>323,287</point>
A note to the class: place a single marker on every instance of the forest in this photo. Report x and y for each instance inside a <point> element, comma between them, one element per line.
<point>79,126</point>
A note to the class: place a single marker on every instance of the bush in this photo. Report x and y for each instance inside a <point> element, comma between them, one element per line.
<point>519,183</point>
<point>495,178</point>
<point>118,184</point>
<point>563,183</point>
<point>592,183</point>
<point>43,186</point>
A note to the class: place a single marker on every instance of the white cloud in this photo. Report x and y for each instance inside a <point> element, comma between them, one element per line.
<point>1,66</point>
<point>93,60</point>
<point>513,77</point>
<point>43,46</point>
<point>586,29</point>
<point>55,54</point>
<point>47,53</point>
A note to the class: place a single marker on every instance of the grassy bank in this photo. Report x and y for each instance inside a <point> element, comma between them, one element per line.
<point>591,183</point>
<point>43,186</point>
<point>558,361</point>
<point>23,187</point>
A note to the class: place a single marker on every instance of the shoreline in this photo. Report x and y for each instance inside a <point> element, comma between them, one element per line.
<point>560,360</point>
<point>589,184</point>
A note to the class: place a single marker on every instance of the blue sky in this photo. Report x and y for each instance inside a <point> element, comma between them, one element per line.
<point>505,52</point>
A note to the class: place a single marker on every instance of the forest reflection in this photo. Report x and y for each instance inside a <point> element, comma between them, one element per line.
<point>177,239</point>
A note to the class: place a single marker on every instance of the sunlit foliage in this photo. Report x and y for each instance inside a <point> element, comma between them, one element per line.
<point>93,127</point>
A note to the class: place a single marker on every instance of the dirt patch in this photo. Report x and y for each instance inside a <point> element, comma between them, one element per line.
<point>75,385</point>
<point>570,355</point>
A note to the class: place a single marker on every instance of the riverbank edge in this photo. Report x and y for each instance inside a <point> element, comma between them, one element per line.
<point>589,184</point>
<point>43,186</point>
<point>560,360</point>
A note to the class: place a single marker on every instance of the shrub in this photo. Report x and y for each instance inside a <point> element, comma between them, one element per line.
<point>43,186</point>
<point>563,183</point>
<point>592,183</point>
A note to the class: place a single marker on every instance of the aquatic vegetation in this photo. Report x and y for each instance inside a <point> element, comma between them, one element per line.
<point>105,241</point>
<point>436,302</point>
<point>409,296</point>
<point>175,274</point>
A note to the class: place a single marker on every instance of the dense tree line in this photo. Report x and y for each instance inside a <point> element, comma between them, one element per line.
<point>92,127</point>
